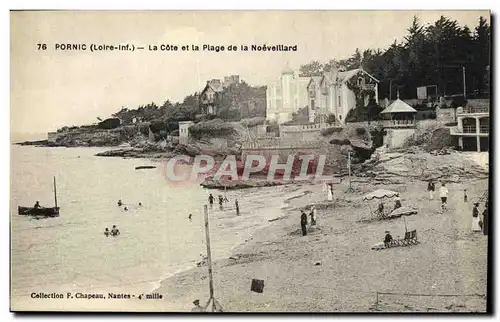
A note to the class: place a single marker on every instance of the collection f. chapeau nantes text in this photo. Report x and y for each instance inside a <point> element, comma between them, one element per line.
<point>95,296</point>
<point>70,47</point>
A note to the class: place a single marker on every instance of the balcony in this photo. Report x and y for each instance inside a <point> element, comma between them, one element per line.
<point>471,130</point>
<point>398,123</point>
<point>474,110</point>
<point>367,87</point>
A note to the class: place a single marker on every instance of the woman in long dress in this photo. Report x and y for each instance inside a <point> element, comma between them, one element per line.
<point>475,218</point>
<point>330,193</point>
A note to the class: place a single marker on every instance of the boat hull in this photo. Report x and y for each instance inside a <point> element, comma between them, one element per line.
<point>42,212</point>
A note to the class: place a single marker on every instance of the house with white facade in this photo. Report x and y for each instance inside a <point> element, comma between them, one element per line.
<point>335,92</point>
<point>285,96</point>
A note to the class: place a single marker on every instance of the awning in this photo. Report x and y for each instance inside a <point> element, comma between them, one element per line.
<point>381,194</point>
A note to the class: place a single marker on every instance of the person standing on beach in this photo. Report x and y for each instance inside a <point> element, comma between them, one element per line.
<point>313,216</point>
<point>485,219</point>
<point>443,193</point>
<point>465,195</point>
<point>237,207</point>
<point>211,200</point>
<point>475,218</point>
<point>303,222</point>
<point>431,187</point>
<point>330,192</point>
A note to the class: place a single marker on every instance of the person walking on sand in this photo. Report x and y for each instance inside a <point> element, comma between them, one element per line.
<point>431,187</point>
<point>313,216</point>
<point>237,205</point>
<point>475,218</point>
<point>303,222</point>
<point>465,195</point>
<point>443,193</point>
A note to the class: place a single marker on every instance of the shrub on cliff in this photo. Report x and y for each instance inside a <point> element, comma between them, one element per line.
<point>109,124</point>
<point>330,130</point>
<point>254,121</point>
<point>213,128</point>
<point>431,138</point>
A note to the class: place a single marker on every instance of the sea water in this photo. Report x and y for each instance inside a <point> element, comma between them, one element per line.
<point>71,254</point>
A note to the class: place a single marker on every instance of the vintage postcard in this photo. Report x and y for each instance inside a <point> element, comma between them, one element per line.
<point>250,161</point>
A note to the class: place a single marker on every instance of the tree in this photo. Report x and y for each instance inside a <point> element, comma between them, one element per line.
<point>314,68</point>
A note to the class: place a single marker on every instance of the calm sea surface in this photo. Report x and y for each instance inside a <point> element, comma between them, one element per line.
<point>71,254</point>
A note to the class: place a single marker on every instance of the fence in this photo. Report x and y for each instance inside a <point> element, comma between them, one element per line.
<point>379,294</point>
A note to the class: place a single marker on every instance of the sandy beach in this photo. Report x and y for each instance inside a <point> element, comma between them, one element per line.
<point>333,268</point>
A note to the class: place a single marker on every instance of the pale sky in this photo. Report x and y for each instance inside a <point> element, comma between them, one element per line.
<point>50,89</point>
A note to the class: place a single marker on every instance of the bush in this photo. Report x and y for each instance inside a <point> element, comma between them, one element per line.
<point>109,124</point>
<point>213,128</point>
<point>254,121</point>
<point>330,130</point>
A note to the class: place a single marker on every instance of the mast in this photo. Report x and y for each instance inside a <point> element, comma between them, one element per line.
<point>55,192</point>
<point>209,259</point>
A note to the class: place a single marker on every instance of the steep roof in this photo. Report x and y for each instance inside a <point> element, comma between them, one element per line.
<point>345,76</point>
<point>398,106</point>
<point>214,85</point>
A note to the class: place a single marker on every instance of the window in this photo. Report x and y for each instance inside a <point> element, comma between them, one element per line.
<point>312,104</point>
<point>340,117</point>
<point>339,101</point>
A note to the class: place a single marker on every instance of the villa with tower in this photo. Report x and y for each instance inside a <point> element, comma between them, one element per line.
<point>335,93</point>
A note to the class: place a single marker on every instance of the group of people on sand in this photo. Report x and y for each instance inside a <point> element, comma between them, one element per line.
<point>478,225</point>
<point>114,231</point>
<point>120,203</point>
<point>303,219</point>
<point>443,193</point>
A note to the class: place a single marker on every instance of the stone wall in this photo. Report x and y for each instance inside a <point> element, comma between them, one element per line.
<point>446,115</point>
<point>395,138</point>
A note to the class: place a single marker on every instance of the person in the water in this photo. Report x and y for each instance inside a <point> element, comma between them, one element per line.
<point>37,204</point>
<point>106,232</point>
<point>126,209</point>
<point>140,204</point>
<point>115,231</point>
<point>190,215</point>
<point>120,203</point>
